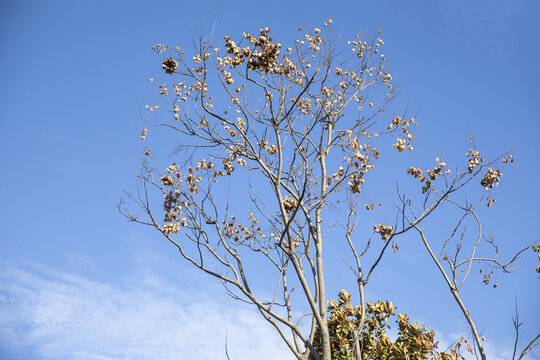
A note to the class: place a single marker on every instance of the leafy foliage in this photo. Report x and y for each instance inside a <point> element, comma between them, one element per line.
<point>413,342</point>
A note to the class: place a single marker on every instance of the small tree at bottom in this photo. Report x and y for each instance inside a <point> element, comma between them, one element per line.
<point>412,342</point>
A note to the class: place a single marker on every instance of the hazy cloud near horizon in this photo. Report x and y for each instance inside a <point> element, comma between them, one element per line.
<point>47,314</point>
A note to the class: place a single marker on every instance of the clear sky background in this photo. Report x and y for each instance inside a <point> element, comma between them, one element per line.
<point>77,281</point>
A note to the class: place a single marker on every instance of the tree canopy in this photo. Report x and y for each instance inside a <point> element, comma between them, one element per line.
<point>301,127</point>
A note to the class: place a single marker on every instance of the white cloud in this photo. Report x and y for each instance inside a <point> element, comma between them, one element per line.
<point>60,315</point>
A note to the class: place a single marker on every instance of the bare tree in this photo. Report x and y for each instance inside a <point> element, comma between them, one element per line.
<point>299,128</point>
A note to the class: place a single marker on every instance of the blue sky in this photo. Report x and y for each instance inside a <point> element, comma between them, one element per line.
<point>78,281</point>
